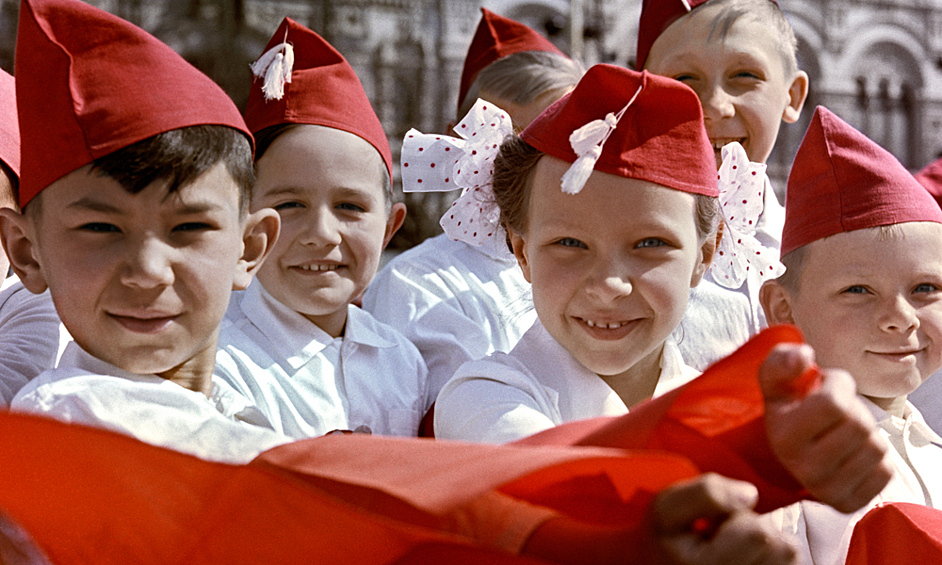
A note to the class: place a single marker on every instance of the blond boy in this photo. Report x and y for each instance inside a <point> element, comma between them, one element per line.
<point>739,56</point>
<point>863,249</point>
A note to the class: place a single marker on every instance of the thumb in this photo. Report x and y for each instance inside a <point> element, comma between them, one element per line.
<point>788,373</point>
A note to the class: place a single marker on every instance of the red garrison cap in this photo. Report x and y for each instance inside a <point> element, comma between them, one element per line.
<point>660,138</point>
<point>931,178</point>
<point>324,91</point>
<point>842,181</point>
<point>495,38</point>
<point>9,129</point>
<point>89,83</point>
<point>656,16</point>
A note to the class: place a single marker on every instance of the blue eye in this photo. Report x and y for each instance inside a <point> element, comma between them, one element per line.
<point>650,242</point>
<point>571,242</point>
<point>856,289</point>
<point>287,206</point>
<point>351,207</point>
<point>926,287</point>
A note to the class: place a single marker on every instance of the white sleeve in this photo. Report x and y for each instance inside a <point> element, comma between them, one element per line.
<point>29,338</point>
<point>493,402</point>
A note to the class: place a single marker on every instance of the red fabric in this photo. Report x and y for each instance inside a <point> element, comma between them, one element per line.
<point>656,16</point>
<point>897,533</point>
<point>495,38</point>
<point>324,91</point>
<point>716,421</point>
<point>87,495</point>
<point>931,178</point>
<point>660,135</point>
<point>842,181</point>
<point>9,129</point>
<point>89,83</point>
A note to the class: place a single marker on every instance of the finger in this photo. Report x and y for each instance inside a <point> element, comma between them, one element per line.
<point>742,539</point>
<point>706,499</point>
<point>787,372</point>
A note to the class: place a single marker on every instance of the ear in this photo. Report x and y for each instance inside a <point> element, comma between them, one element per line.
<point>519,247</point>
<point>707,253</point>
<point>397,215</point>
<point>797,94</point>
<point>258,239</point>
<point>19,241</point>
<point>777,303</point>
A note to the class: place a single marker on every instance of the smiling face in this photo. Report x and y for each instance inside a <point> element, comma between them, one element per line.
<point>140,280</point>
<point>741,78</point>
<point>870,303</point>
<point>611,266</point>
<point>328,186</point>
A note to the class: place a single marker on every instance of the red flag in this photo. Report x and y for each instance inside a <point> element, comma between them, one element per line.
<point>897,533</point>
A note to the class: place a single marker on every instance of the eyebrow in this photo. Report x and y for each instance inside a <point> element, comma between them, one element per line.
<point>95,205</point>
<point>341,191</point>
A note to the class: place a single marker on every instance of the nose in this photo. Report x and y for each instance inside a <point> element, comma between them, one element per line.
<point>321,228</point>
<point>149,264</point>
<point>899,315</point>
<point>609,282</point>
<point>717,103</point>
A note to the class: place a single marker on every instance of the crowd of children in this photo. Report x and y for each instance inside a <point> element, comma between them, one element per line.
<point>190,277</point>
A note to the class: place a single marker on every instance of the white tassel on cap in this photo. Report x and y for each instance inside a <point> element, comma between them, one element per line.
<point>276,66</point>
<point>587,143</point>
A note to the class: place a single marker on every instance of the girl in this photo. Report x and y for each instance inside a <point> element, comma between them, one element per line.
<point>611,257</point>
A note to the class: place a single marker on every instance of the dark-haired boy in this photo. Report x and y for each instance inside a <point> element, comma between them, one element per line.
<point>135,218</point>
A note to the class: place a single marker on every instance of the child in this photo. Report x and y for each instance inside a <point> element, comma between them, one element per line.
<point>863,247</point>
<point>739,57</point>
<point>29,326</point>
<point>135,219</point>
<point>611,266</point>
<point>458,302</point>
<point>293,343</point>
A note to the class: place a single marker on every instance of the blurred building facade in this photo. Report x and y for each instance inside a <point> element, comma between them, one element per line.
<point>877,63</point>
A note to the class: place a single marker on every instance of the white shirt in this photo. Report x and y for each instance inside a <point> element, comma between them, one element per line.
<point>308,383</point>
<point>537,386</point>
<point>456,302</point>
<point>928,399</point>
<point>29,336</point>
<point>86,390</point>
<point>916,456</point>
<point>718,320</point>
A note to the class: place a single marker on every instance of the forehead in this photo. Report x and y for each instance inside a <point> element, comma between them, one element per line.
<point>607,202</point>
<point>315,158</point>
<point>882,251</point>
<point>705,33</point>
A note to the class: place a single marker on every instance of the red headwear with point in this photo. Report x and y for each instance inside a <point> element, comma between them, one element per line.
<point>931,178</point>
<point>842,181</point>
<point>660,138</point>
<point>9,129</point>
<point>656,16</point>
<point>89,83</point>
<point>495,38</point>
<point>324,91</point>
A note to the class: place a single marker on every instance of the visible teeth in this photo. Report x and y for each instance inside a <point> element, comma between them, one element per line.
<point>611,326</point>
<point>319,267</point>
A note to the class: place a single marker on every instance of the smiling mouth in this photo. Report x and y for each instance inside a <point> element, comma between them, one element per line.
<point>604,325</point>
<point>718,144</point>
<point>318,268</point>
<point>145,325</point>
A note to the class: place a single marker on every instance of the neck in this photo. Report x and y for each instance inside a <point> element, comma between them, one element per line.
<point>893,406</point>
<point>196,373</point>
<point>637,384</point>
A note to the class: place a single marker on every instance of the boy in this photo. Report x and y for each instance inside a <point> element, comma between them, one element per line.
<point>135,219</point>
<point>739,57</point>
<point>863,249</point>
<point>29,326</point>
<point>293,343</point>
<point>455,301</point>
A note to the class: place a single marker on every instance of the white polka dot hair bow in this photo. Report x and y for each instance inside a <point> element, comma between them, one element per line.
<point>436,163</point>
<point>742,184</point>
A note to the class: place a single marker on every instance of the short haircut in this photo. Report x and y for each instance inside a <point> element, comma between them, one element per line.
<point>513,179</point>
<point>764,11</point>
<point>9,198</point>
<point>266,136</point>
<point>523,77</point>
<point>179,157</point>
